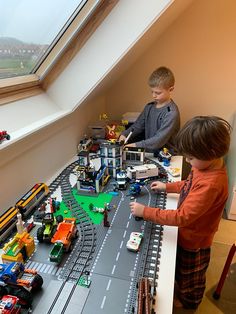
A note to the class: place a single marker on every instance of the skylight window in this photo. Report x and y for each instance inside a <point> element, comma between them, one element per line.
<point>30,29</point>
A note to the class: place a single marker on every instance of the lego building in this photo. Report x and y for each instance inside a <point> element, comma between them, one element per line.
<point>111,156</point>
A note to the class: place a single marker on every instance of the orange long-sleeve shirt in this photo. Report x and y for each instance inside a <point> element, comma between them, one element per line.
<point>199,214</point>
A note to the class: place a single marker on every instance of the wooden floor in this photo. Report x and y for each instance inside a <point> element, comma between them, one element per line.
<point>223,241</point>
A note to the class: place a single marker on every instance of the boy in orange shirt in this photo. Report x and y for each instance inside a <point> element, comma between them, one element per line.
<point>203,140</point>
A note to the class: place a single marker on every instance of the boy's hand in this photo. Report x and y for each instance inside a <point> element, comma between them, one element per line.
<point>130,145</point>
<point>122,138</point>
<point>136,209</point>
<point>158,186</point>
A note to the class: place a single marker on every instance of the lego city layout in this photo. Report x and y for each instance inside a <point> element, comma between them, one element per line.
<point>92,254</point>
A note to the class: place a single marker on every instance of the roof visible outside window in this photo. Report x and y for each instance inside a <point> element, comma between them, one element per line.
<point>29,29</point>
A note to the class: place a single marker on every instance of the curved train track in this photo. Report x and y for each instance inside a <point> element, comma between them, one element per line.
<point>80,259</point>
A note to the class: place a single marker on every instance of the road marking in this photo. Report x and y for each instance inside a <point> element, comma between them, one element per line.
<point>39,267</point>
<point>108,285</point>
<point>43,268</point>
<point>51,269</point>
<point>113,269</point>
<point>124,234</point>
<point>47,268</point>
<point>103,302</point>
<point>127,224</point>
<point>121,244</point>
<point>117,256</point>
<point>31,264</point>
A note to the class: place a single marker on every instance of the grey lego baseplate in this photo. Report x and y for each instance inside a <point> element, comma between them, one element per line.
<point>113,270</point>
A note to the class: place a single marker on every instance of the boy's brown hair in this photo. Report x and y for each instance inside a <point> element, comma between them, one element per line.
<point>161,77</point>
<point>204,137</point>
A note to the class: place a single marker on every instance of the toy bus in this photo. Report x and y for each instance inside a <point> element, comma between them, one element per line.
<point>25,205</point>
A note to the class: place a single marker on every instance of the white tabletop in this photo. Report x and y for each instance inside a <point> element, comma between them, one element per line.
<point>165,288</point>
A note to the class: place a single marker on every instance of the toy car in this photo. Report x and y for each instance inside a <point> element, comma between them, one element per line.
<point>49,227</point>
<point>18,281</point>
<point>134,241</point>
<point>66,232</point>
<point>4,136</point>
<point>9,304</point>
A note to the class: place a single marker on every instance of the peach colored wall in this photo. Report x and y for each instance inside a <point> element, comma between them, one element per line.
<point>200,48</point>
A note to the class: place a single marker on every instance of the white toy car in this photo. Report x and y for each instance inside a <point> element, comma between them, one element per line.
<point>134,241</point>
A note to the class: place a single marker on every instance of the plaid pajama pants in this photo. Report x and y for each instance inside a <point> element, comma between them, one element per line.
<point>190,275</point>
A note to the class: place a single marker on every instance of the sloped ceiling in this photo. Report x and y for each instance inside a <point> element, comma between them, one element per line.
<point>145,41</point>
<point>129,30</point>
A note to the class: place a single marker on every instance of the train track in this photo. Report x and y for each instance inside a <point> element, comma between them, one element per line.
<point>146,278</point>
<point>79,261</point>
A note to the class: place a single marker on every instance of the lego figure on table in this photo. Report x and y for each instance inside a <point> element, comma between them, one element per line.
<point>159,122</point>
<point>54,204</point>
<point>105,218</point>
<point>165,157</point>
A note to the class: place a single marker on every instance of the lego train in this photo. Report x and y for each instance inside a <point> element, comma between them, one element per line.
<point>25,205</point>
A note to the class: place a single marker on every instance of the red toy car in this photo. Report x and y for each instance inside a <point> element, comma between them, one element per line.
<point>9,304</point>
<point>4,136</point>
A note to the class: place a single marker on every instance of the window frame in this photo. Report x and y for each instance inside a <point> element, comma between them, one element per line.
<point>71,41</point>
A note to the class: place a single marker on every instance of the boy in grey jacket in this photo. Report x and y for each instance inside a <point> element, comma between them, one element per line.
<point>160,120</point>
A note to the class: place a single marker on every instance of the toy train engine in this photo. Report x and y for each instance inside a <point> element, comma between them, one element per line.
<point>25,205</point>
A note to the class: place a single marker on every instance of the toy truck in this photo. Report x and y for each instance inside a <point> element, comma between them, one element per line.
<point>48,228</point>
<point>62,239</point>
<point>18,281</point>
<point>142,172</point>
<point>10,305</point>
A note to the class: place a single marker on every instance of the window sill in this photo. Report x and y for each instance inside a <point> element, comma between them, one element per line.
<point>32,128</point>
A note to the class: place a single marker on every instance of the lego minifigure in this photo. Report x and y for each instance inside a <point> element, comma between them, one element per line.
<point>105,218</point>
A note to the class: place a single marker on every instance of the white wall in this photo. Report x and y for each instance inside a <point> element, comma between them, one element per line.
<point>21,113</point>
